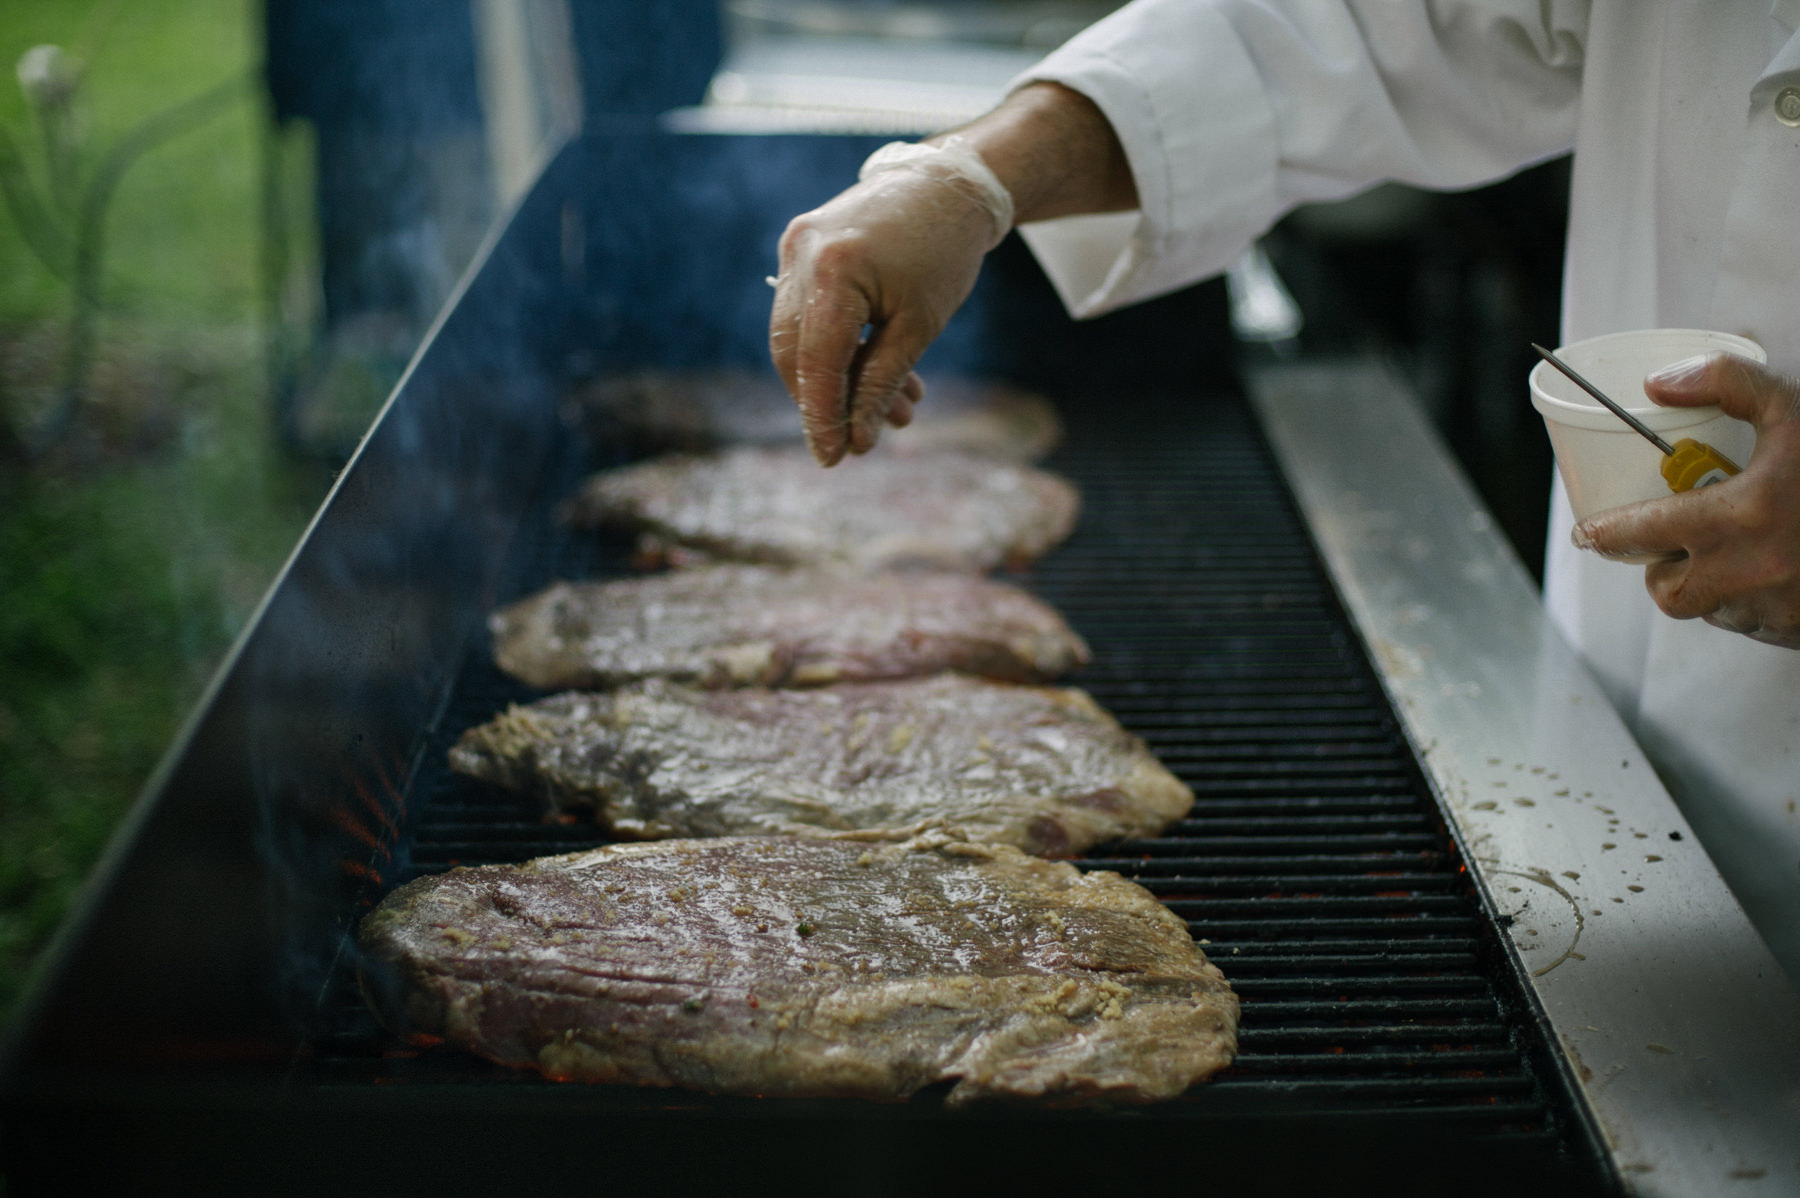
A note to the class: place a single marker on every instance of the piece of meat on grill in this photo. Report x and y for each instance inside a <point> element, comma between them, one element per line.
<point>861,966</point>
<point>698,410</point>
<point>947,510</point>
<point>724,626</point>
<point>1044,769</point>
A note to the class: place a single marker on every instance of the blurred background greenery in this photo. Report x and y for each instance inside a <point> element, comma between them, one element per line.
<point>134,548</point>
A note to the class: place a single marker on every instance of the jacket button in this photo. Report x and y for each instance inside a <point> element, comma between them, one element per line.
<point>1787,106</point>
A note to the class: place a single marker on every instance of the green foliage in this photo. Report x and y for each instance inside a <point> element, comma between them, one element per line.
<point>153,54</point>
<point>128,563</point>
<point>123,585</point>
<point>86,646</point>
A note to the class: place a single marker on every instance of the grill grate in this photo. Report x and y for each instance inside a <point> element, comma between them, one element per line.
<point>1313,866</point>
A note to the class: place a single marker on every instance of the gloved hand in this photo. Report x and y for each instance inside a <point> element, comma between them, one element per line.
<point>892,257</point>
<point>1734,546</point>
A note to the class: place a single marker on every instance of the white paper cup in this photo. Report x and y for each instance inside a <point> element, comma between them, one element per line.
<point>1603,461</point>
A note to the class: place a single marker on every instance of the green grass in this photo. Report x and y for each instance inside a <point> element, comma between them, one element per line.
<point>130,560</point>
<point>182,230</point>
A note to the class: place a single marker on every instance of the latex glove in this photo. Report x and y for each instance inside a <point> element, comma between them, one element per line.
<point>1734,546</point>
<point>867,282</point>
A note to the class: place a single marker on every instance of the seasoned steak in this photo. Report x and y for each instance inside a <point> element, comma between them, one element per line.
<point>949,510</point>
<point>723,626</point>
<point>698,410</point>
<point>1042,768</point>
<point>858,966</point>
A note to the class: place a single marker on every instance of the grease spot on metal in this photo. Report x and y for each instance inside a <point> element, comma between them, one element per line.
<point>1542,878</point>
<point>1581,1067</point>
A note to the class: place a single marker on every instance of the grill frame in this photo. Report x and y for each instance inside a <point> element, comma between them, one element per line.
<point>1265,640</point>
<point>172,1023</point>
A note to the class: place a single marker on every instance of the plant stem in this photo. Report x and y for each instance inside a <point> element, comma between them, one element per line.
<point>90,233</point>
<point>39,228</point>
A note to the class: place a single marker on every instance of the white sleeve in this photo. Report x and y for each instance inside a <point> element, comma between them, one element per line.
<point>1232,112</point>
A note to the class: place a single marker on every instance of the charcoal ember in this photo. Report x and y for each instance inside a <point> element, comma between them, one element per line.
<point>725,626</point>
<point>945,510</point>
<point>1045,769</point>
<point>857,966</point>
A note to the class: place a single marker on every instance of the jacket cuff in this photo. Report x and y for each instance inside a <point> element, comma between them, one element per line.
<point>1200,135</point>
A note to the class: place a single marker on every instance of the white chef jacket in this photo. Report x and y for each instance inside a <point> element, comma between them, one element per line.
<point>1685,212</point>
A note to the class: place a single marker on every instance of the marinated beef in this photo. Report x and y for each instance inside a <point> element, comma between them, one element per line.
<point>694,411</point>
<point>1044,769</point>
<point>862,965</point>
<point>948,510</point>
<point>725,626</point>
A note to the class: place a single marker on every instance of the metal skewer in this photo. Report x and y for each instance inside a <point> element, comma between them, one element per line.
<point>1594,391</point>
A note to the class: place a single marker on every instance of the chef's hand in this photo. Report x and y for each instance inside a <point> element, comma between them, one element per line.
<point>869,279</point>
<point>1734,547</point>
<point>895,255</point>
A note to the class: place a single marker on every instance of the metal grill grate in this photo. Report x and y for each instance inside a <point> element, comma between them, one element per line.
<point>1314,865</point>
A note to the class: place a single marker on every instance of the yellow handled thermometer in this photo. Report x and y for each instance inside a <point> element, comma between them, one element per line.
<point>1687,464</point>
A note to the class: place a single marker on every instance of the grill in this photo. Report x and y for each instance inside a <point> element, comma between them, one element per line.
<point>1314,865</point>
<point>200,1011</point>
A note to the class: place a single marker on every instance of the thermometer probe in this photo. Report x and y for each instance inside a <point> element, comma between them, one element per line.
<point>1687,464</point>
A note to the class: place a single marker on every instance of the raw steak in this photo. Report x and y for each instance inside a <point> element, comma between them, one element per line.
<point>661,410</point>
<point>950,510</point>
<point>858,966</point>
<point>725,626</point>
<point>1044,769</point>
